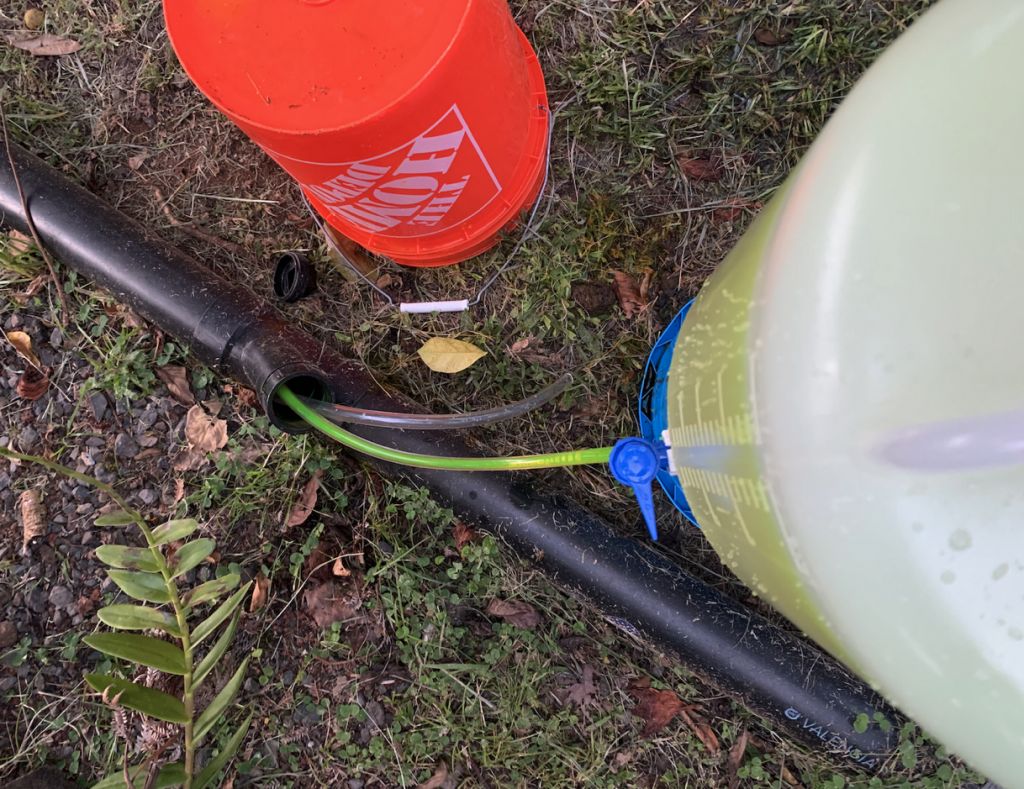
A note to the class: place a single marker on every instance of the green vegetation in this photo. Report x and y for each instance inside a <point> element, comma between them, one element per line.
<point>417,677</point>
<point>155,574</point>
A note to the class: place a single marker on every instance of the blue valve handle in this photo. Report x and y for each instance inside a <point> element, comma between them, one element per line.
<point>636,462</point>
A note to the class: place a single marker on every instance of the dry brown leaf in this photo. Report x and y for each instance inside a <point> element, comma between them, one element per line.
<point>655,707</point>
<point>339,569</point>
<point>447,355</point>
<point>33,288</point>
<point>303,507</point>
<point>628,293</point>
<point>645,285</point>
<point>172,551</point>
<point>582,693</point>
<point>33,517</point>
<point>22,343</point>
<point>247,397</point>
<point>736,753</point>
<point>700,169</point>
<point>204,432</point>
<point>32,384</point>
<point>260,590</point>
<point>385,281</point>
<point>463,535</point>
<point>179,490</point>
<point>701,728</point>
<point>437,780</point>
<point>85,605</point>
<point>189,460</point>
<point>132,318</point>
<point>41,44</point>
<point>175,378</point>
<point>520,345</point>
<point>767,37</point>
<point>515,612</point>
<point>329,603</point>
<point>18,243</point>
<point>135,162</point>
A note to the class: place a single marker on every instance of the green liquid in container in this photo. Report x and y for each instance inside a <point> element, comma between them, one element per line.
<point>880,295</point>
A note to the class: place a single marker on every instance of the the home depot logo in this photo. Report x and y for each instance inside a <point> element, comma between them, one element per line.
<point>439,178</point>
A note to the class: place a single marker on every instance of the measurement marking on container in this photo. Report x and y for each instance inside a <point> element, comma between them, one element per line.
<point>700,421</point>
<point>741,490</point>
<point>731,431</point>
<point>721,400</point>
<point>711,509</point>
<point>746,529</point>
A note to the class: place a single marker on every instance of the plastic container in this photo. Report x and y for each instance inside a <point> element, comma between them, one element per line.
<point>417,129</point>
<point>879,294</point>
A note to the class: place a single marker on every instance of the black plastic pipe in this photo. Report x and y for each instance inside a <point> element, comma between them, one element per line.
<point>225,325</point>
<point>782,677</point>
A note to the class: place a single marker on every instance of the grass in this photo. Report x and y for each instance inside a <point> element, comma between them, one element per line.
<point>428,679</point>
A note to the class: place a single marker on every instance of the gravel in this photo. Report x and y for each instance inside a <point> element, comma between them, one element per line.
<point>148,418</point>
<point>56,589</point>
<point>36,600</point>
<point>125,447</point>
<point>61,596</point>
<point>8,634</point>
<point>28,439</point>
<point>98,405</point>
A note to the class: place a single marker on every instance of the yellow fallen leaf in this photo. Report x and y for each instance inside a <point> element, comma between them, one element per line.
<point>445,355</point>
<point>34,18</point>
<point>23,345</point>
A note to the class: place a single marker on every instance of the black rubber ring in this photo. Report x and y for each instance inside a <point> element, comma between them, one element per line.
<point>294,276</point>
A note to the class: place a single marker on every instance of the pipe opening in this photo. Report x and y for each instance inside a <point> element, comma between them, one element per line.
<point>304,385</point>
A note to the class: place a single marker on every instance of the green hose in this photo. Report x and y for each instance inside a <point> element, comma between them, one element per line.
<point>576,457</point>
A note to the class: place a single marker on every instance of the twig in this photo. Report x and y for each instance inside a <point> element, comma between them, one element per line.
<point>31,222</point>
<point>127,775</point>
<point>192,230</point>
<point>154,771</point>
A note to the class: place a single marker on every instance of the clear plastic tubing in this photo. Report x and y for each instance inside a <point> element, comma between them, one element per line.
<point>576,457</point>
<point>340,414</point>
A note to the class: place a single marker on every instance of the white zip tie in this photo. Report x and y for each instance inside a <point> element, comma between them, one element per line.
<point>418,307</point>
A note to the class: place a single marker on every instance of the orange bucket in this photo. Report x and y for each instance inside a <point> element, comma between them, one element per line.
<point>416,128</point>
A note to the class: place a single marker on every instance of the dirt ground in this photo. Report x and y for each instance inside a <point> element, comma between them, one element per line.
<point>391,646</point>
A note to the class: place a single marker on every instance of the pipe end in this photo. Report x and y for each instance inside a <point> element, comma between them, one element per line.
<point>303,384</point>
